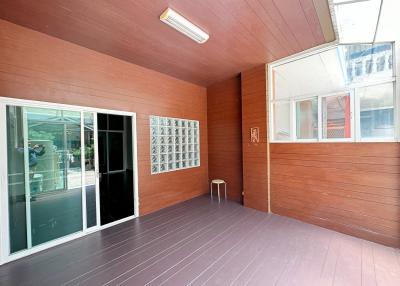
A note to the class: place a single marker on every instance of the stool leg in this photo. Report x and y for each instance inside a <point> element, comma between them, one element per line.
<point>225,191</point>
<point>219,199</point>
<point>211,190</point>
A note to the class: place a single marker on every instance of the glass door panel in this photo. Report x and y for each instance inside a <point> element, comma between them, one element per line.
<point>115,167</point>
<point>49,141</point>
<point>55,178</point>
<point>68,171</point>
<point>90,170</point>
<point>16,179</point>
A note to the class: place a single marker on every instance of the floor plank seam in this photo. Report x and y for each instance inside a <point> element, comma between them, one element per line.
<point>126,253</point>
<point>241,219</point>
<point>213,246</point>
<point>158,254</point>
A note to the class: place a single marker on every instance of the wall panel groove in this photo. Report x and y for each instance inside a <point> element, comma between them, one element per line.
<point>224,135</point>
<point>255,157</point>
<point>39,67</point>
<point>350,187</point>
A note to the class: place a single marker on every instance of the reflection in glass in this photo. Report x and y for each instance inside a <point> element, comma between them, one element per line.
<point>332,70</point>
<point>307,119</point>
<point>281,121</point>
<point>45,177</point>
<point>370,62</point>
<point>116,168</point>
<point>116,150</point>
<point>377,111</point>
<point>336,116</point>
<point>54,173</point>
<point>90,175</point>
<point>16,179</point>
<point>115,122</point>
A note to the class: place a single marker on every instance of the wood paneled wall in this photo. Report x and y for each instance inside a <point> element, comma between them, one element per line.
<point>353,188</point>
<point>350,187</point>
<point>243,33</point>
<point>39,67</point>
<point>255,156</point>
<point>224,117</point>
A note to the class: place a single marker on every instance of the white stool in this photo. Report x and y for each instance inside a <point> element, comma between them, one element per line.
<point>217,182</point>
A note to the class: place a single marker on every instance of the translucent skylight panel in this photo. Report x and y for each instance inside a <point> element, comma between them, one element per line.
<point>356,21</point>
<point>341,1</point>
<point>389,22</point>
<point>316,74</point>
<point>332,70</point>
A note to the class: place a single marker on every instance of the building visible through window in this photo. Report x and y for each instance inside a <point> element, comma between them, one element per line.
<point>359,66</point>
<point>369,56</point>
<point>368,66</point>
<point>352,85</point>
<point>380,65</point>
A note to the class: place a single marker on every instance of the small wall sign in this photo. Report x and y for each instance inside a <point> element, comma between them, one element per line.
<point>254,135</point>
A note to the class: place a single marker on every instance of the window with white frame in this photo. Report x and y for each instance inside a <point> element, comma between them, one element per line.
<point>282,130</point>
<point>377,107</point>
<point>342,93</point>
<point>174,144</point>
<point>335,112</point>
<point>307,118</point>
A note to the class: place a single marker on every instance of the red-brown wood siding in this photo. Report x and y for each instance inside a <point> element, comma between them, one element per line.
<point>224,118</point>
<point>255,159</point>
<point>353,188</point>
<point>36,66</point>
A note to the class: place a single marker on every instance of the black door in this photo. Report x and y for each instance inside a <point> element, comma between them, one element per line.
<point>115,167</point>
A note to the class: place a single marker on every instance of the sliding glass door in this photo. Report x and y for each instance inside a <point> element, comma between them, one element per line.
<point>89,161</point>
<point>56,187</point>
<point>45,180</point>
<point>115,167</point>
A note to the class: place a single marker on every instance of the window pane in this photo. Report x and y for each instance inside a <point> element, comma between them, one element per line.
<point>90,176</point>
<point>307,119</point>
<point>368,66</point>
<point>115,122</point>
<point>16,179</point>
<point>44,171</point>
<point>332,70</point>
<point>377,111</point>
<point>359,69</point>
<point>356,21</point>
<point>54,148</point>
<point>281,121</point>
<point>102,121</point>
<point>336,117</point>
<point>370,62</point>
<point>116,151</point>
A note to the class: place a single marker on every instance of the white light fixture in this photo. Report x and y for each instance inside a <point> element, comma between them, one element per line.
<point>179,23</point>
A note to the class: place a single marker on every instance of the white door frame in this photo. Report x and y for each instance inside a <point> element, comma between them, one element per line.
<point>4,216</point>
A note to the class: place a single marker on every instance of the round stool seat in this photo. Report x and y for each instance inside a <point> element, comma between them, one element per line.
<point>217,182</point>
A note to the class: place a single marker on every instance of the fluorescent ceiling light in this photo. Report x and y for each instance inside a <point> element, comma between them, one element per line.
<point>179,23</point>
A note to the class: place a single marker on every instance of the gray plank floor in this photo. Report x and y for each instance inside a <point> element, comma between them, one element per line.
<point>201,242</point>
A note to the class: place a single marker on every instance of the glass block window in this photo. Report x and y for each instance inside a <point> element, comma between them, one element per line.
<point>174,144</point>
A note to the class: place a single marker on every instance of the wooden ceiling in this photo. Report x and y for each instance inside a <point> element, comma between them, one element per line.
<point>243,33</point>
